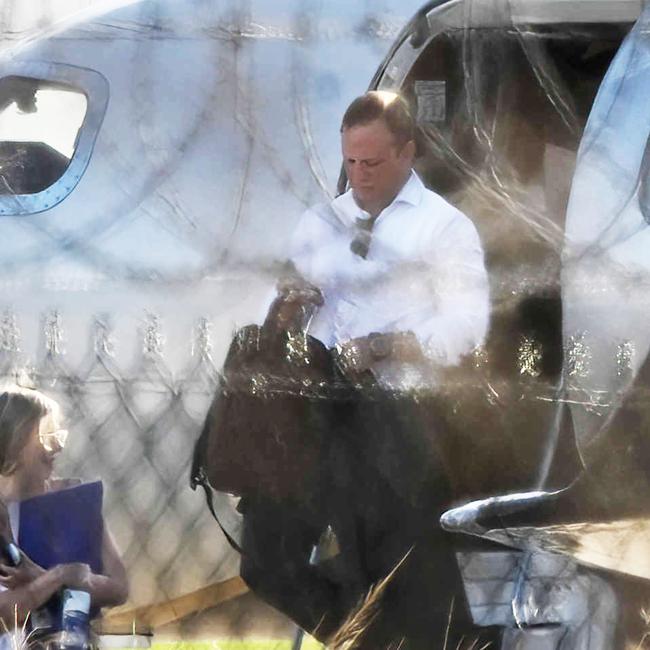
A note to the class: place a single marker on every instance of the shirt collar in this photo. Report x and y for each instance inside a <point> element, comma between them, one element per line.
<point>411,191</point>
<point>346,207</point>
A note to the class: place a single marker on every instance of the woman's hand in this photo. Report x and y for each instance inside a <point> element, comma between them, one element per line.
<point>13,577</point>
<point>75,575</point>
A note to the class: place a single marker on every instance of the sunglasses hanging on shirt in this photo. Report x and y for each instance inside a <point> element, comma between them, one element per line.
<point>360,245</point>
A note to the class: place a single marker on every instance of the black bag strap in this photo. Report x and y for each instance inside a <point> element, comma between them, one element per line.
<point>199,477</point>
<point>202,480</point>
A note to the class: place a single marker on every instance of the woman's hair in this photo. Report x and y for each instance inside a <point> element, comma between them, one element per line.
<point>21,409</point>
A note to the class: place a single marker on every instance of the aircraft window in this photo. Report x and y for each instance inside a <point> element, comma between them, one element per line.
<point>50,116</point>
<point>39,124</point>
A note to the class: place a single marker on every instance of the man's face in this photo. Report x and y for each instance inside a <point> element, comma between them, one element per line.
<point>376,166</point>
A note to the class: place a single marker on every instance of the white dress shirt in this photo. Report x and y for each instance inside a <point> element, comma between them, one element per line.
<point>424,273</point>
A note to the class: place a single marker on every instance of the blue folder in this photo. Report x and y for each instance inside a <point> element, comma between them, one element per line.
<point>64,526</point>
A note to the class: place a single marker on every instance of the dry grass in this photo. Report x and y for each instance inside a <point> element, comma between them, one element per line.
<point>355,626</point>
<point>19,639</point>
<point>358,622</point>
<point>641,645</point>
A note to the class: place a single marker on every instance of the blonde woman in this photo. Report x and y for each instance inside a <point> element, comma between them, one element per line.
<point>30,439</point>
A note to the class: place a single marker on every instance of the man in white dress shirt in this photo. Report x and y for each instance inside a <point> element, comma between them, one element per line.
<point>401,270</point>
<point>405,293</point>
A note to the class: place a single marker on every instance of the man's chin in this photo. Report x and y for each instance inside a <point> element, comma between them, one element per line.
<point>363,197</point>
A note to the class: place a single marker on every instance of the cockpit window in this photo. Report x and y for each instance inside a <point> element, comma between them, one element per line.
<point>50,116</point>
<point>39,125</point>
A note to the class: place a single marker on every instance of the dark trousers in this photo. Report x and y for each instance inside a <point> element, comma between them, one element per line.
<point>385,487</point>
<point>399,492</point>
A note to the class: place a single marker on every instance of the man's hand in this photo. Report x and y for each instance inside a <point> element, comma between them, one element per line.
<point>359,355</point>
<point>403,347</point>
<point>354,357</point>
<point>295,288</point>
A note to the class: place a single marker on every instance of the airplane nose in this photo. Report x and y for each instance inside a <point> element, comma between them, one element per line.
<point>459,519</point>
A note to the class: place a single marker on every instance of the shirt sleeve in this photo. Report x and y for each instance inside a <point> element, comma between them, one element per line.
<point>462,321</point>
<point>451,315</point>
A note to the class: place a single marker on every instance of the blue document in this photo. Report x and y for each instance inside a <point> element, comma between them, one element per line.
<point>64,526</point>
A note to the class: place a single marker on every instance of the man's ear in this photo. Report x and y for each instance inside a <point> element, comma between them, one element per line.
<point>408,151</point>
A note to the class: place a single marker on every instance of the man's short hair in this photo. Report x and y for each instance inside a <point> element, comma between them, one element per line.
<point>390,107</point>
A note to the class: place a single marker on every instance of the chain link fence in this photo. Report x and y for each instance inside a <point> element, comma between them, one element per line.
<point>134,428</point>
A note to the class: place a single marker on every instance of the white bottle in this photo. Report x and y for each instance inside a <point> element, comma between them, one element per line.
<point>75,628</point>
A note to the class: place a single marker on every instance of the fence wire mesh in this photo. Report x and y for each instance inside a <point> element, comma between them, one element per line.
<point>135,428</point>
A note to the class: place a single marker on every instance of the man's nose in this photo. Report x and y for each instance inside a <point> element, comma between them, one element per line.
<point>358,173</point>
